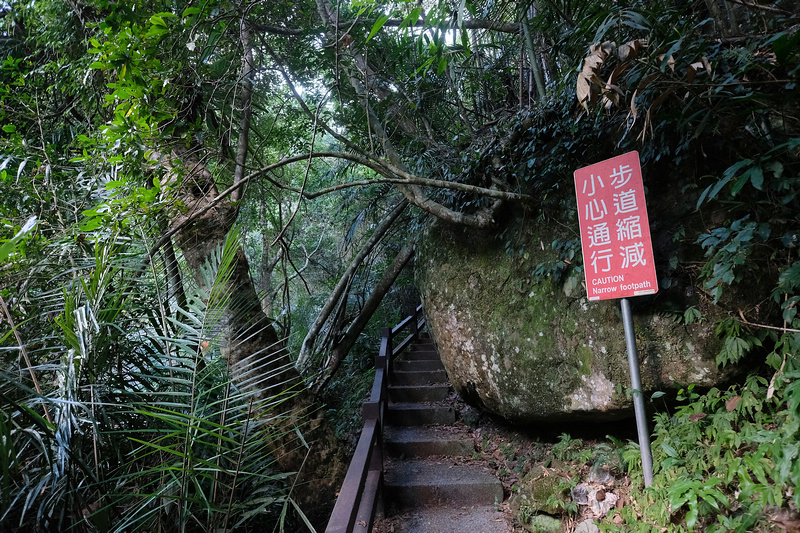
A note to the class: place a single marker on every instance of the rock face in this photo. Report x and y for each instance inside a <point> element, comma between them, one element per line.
<point>533,349</point>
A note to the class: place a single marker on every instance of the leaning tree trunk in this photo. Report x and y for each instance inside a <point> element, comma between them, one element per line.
<point>257,357</point>
<point>340,350</point>
<point>250,342</point>
<point>307,350</point>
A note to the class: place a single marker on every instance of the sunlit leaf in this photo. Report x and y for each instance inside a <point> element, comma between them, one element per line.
<point>378,25</point>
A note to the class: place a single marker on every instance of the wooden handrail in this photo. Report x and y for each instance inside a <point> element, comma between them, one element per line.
<point>363,483</point>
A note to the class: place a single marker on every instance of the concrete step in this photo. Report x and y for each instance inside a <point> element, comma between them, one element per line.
<point>427,441</point>
<point>418,393</point>
<point>417,414</point>
<point>420,354</point>
<point>402,377</point>
<point>418,366</point>
<point>468,519</point>
<point>425,342</point>
<point>414,484</point>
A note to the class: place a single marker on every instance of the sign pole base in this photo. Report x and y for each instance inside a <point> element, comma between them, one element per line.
<point>638,398</point>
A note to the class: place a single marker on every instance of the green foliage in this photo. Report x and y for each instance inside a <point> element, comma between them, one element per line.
<point>570,450</point>
<point>139,425</point>
<point>728,248</point>
<point>701,497</point>
<point>16,244</point>
<point>724,458</point>
<point>737,342</point>
<point>566,262</point>
<point>90,90</point>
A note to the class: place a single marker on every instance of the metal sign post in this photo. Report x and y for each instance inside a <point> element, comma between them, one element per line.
<point>638,398</point>
<point>618,256</point>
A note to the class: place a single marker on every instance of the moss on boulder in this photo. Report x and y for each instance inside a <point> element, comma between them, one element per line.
<point>528,348</point>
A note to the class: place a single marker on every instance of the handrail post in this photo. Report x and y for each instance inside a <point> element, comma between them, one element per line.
<point>385,357</point>
<point>417,313</point>
<point>386,333</point>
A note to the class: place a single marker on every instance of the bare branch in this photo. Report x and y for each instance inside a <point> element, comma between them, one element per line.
<point>308,343</point>
<point>390,175</point>
<point>305,177</point>
<point>425,182</point>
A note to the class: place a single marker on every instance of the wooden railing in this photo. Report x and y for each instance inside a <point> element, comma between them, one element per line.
<point>358,498</point>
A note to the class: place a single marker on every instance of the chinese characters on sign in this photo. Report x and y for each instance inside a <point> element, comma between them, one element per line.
<point>615,233</point>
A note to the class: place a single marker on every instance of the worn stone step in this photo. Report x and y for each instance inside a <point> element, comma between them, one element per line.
<point>401,377</point>
<point>419,483</point>
<point>418,414</point>
<point>467,519</point>
<point>419,354</point>
<point>427,441</point>
<point>418,366</point>
<point>418,393</point>
<point>426,344</point>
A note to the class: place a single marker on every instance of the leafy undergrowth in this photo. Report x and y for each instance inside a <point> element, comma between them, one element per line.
<point>724,460</point>
<point>546,455</point>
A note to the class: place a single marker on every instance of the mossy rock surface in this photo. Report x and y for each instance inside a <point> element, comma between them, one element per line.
<point>542,524</point>
<point>532,350</point>
<point>539,491</point>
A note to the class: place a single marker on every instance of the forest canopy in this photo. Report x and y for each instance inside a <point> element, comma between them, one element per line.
<point>204,204</point>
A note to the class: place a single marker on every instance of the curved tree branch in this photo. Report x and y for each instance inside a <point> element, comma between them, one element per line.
<point>340,351</point>
<point>308,343</point>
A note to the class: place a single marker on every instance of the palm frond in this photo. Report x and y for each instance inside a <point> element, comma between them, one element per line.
<point>150,430</point>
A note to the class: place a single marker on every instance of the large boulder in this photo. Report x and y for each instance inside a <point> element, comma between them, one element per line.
<point>530,348</point>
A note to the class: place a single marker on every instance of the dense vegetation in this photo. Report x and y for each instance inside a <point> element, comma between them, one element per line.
<point>197,196</point>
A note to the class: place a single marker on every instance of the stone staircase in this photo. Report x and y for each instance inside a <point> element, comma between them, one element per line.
<point>427,486</point>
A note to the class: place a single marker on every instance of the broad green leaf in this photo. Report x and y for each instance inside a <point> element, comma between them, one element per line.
<point>711,192</point>
<point>156,31</point>
<point>669,450</point>
<point>377,26</point>
<point>412,18</point>
<point>737,186</point>
<point>91,224</point>
<point>757,177</point>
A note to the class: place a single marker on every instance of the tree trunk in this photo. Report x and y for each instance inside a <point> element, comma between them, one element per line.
<point>533,57</point>
<point>340,351</point>
<point>256,355</point>
<point>267,265</point>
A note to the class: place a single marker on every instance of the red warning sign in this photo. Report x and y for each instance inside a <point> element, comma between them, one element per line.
<point>615,232</point>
